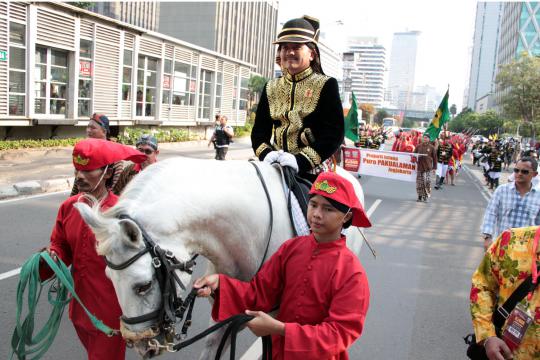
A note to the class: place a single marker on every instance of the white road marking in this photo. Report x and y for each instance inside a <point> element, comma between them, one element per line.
<point>373,207</point>
<point>33,197</point>
<point>254,352</point>
<point>10,274</point>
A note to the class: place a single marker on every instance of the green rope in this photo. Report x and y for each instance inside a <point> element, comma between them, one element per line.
<point>58,296</point>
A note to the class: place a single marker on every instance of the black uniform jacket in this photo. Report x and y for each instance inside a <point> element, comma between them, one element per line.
<point>304,115</point>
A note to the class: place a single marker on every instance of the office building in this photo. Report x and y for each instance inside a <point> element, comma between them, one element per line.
<point>484,53</point>
<point>243,30</point>
<point>65,63</point>
<point>143,14</point>
<point>364,67</point>
<point>402,68</point>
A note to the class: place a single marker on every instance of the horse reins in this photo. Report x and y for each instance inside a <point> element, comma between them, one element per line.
<point>271,225</point>
<point>174,307</point>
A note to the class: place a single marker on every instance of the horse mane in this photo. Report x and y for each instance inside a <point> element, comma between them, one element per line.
<point>104,224</point>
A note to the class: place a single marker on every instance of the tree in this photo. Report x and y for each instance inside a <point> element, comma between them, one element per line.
<point>367,111</point>
<point>486,123</point>
<point>81,4</point>
<point>453,110</point>
<point>380,115</point>
<point>520,83</point>
<point>256,85</point>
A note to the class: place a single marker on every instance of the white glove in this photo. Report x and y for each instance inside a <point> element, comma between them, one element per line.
<point>287,159</point>
<point>271,157</point>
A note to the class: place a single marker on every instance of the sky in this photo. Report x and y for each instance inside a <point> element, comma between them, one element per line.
<point>444,45</point>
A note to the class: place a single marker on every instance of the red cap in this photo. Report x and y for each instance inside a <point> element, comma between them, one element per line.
<point>333,186</point>
<point>92,154</point>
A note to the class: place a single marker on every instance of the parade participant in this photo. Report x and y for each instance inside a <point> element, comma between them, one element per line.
<point>508,262</point>
<point>221,137</point>
<point>495,167</point>
<point>362,139</point>
<point>146,144</point>
<point>75,244</point>
<point>425,165</point>
<point>444,152</point>
<point>98,128</point>
<point>453,163</point>
<point>375,141</point>
<point>302,109</point>
<point>407,146</point>
<point>319,284</point>
<point>515,204</point>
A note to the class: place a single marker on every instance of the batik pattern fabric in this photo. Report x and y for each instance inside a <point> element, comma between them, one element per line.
<point>506,264</point>
<point>423,183</point>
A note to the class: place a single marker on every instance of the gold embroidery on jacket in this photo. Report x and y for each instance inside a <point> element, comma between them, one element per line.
<point>310,154</point>
<point>290,116</point>
<point>261,148</point>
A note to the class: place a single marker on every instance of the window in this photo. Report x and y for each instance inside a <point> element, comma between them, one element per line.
<point>17,68</point>
<point>85,77</point>
<point>205,93</point>
<point>219,89</point>
<point>146,86</point>
<point>167,76</point>
<point>184,84</point>
<point>51,81</point>
<point>244,94</point>
<point>126,75</point>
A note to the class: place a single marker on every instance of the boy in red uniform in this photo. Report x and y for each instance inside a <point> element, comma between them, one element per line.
<point>319,284</point>
<point>74,243</point>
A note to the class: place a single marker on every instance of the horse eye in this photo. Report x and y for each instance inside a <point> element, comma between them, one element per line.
<point>142,289</point>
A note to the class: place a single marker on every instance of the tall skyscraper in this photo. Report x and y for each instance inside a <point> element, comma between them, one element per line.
<point>365,69</point>
<point>242,30</point>
<point>144,14</point>
<point>519,34</point>
<point>484,52</point>
<point>402,68</point>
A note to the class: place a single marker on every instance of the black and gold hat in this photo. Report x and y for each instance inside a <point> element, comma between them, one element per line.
<point>300,30</point>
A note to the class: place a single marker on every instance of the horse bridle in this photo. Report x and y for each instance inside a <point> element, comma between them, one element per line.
<point>173,307</point>
<point>165,265</point>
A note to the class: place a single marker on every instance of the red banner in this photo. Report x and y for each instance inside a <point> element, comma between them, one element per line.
<point>166,82</point>
<point>351,159</point>
<point>85,68</point>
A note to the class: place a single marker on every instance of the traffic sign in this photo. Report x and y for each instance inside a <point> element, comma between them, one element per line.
<point>3,55</point>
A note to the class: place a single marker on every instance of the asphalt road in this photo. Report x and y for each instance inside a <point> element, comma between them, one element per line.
<point>419,282</point>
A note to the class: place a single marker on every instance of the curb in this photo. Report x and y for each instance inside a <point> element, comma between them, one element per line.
<point>35,187</point>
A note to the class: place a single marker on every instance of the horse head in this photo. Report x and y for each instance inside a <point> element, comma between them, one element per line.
<point>135,265</point>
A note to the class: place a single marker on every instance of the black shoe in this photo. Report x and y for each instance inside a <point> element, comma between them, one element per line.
<point>425,199</point>
<point>437,187</point>
<point>419,199</point>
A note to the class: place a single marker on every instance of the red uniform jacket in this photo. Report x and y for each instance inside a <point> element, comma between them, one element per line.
<point>322,292</point>
<point>74,242</point>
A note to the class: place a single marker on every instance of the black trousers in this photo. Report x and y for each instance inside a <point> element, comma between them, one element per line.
<point>221,152</point>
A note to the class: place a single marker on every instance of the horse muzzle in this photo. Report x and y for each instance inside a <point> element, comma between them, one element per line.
<point>145,342</point>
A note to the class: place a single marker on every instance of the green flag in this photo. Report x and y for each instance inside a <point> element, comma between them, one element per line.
<point>351,121</point>
<point>442,116</point>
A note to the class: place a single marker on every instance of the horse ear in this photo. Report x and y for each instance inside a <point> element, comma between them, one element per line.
<point>132,231</point>
<point>87,214</point>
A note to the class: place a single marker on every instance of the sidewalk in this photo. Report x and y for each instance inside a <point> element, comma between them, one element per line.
<point>34,171</point>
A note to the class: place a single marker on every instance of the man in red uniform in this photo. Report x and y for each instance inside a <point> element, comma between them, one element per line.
<point>319,284</point>
<point>74,243</point>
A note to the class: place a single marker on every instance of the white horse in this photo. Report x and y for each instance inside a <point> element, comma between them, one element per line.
<point>214,208</point>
